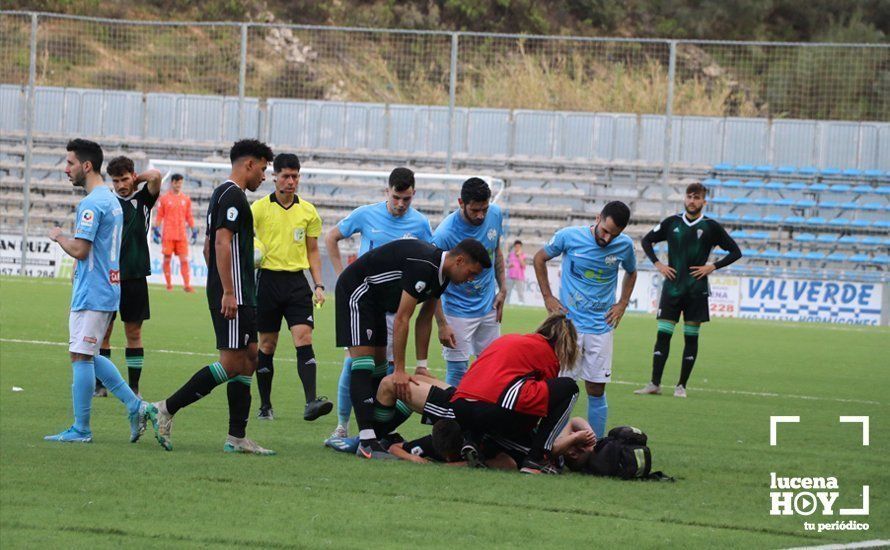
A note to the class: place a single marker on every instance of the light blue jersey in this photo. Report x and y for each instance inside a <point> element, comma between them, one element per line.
<point>378,227</point>
<point>590,274</point>
<point>474,298</point>
<point>97,278</point>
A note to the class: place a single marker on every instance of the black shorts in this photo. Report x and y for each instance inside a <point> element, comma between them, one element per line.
<point>360,320</point>
<point>236,333</point>
<point>694,307</point>
<point>282,294</point>
<point>438,405</point>
<point>134,301</point>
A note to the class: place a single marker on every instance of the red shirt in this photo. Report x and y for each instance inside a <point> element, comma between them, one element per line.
<point>522,362</point>
<point>174,214</point>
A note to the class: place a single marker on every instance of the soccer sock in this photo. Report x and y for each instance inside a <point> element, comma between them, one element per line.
<point>455,371</point>
<point>107,372</point>
<point>167,269</point>
<point>597,411</point>
<point>383,414</point>
<point>264,374</point>
<point>362,394</point>
<point>184,270</point>
<point>238,391</point>
<point>104,352</point>
<point>344,401</point>
<point>306,370</point>
<point>199,385</point>
<point>690,351</point>
<point>135,360</point>
<point>84,376</point>
<point>662,350</point>
<point>400,415</point>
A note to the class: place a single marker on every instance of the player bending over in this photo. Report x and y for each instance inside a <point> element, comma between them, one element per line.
<point>394,279</point>
<point>691,236</point>
<point>231,295</point>
<point>96,293</point>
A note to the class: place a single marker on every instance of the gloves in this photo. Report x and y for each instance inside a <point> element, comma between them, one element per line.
<point>194,237</point>
<point>156,235</point>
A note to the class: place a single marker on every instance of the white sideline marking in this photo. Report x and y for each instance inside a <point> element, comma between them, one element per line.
<point>876,543</point>
<point>621,382</point>
<point>774,420</point>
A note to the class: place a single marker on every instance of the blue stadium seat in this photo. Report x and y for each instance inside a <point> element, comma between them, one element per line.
<point>723,167</point>
<point>793,255</point>
<point>827,238</point>
<point>764,168</point>
<point>751,253</point>
<point>763,201</point>
<point>872,241</point>
<point>796,186</point>
<point>881,224</point>
<point>849,239</point>
<point>872,173</point>
<point>775,186</point>
<point>830,204</point>
<point>839,188</point>
<point>739,235</point>
<point>744,167</point>
<point>711,182</point>
<point>770,254</point>
<point>818,187</point>
<point>852,172</point>
<point>758,235</point>
<point>862,224</point>
<point>863,189</point>
<point>830,172</point>
<point>808,171</point>
<point>743,201</point>
<point>816,220</point>
<point>805,203</point>
<point>839,222</point>
<point>754,185</point>
<point>849,206</point>
<point>786,202</point>
<point>729,217</point>
<point>804,237</point>
<point>859,258</point>
<point>751,218</point>
<point>772,218</point>
<point>814,256</point>
<point>720,200</point>
<point>882,259</point>
<point>883,190</point>
<point>732,183</point>
<point>787,169</point>
<point>795,219</point>
<point>836,257</point>
<point>872,206</point>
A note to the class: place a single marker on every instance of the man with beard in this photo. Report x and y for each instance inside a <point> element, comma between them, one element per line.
<point>591,258</point>
<point>472,310</point>
<point>691,236</point>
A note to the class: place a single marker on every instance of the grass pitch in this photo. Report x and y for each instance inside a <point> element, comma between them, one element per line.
<point>716,442</point>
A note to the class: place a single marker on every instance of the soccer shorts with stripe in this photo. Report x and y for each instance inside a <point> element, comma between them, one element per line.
<point>360,321</point>
<point>438,405</point>
<point>237,333</point>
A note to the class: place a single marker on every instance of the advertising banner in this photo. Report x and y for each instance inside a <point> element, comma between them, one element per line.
<point>811,301</point>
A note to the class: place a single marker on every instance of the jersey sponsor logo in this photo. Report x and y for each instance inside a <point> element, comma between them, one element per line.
<point>492,234</point>
<point>611,259</point>
<point>232,214</point>
<point>373,230</point>
<point>89,339</point>
<point>114,276</point>
<point>87,217</point>
<point>419,286</point>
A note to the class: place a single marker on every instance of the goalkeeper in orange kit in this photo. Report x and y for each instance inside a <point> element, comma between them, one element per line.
<point>173,216</point>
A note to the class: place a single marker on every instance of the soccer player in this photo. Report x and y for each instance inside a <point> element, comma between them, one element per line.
<point>231,295</point>
<point>691,236</point>
<point>134,262</point>
<point>394,278</point>
<point>473,310</point>
<point>96,293</point>
<point>174,215</point>
<point>591,257</point>
<point>287,229</point>
<point>378,224</point>
<point>515,386</point>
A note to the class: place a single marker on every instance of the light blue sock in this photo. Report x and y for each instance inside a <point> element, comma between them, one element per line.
<point>455,371</point>
<point>390,367</point>
<point>111,378</point>
<point>82,387</point>
<point>597,411</point>
<point>344,401</point>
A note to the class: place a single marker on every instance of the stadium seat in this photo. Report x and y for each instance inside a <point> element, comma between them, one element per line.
<point>764,168</point>
<point>818,187</point>
<point>808,171</point>
<point>827,238</point>
<point>883,190</point>
<point>830,172</point>
<point>830,204</point>
<point>849,239</point>
<point>839,222</point>
<point>836,257</point>
<point>751,253</point>
<point>872,241</point>
<point>758,235</point>
<point>751,218</point>
<point>795,220</point>
<point>770,254</point>
<point>720,200</point>
<point>732,184</point>
<point>753,185</point>
<point>852,172</point>
<point>729,217</point>
<point>881,224</point>
<point>762,201</point>
<point>849,206</point>
<point>722,167</point>
<point>863,189</point>
<point>796,186</point>
<point>744,167</point>
<point>839,188</point>
<point>804,237</point>
<point>814,256</point>
<point>816,220</point>
<point>772,218</point>
<point>786,202</point>
<point>711,182</point>
<point>883,259</point>
<point>862,224</point>
<point>786,169</point>
<point>872,173</point>
<point>859,258</point>
<point>872,206</point>
<point>793,255</point>
<point>739,235</point>
<point>774,186</point>
<point>805,203</point>
<point>743,201</point>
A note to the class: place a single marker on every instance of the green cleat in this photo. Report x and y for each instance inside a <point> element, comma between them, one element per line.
<point>162,422</point>
<point>244,445</point>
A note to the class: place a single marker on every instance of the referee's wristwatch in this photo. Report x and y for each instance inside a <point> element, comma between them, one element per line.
<point>317,286</point>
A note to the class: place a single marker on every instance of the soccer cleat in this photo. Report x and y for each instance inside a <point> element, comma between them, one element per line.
<point>680,391</point>
<point>650,389</point>
<point>372,450</point>
<point>71,435</point>
<point>470,453</point>
<point>342,444</point>
<point>266,414</point>
<point>340,432</point>
<point>138,421</point>
<point>534,467</point>
<point>162,422</point>
<point>317,408</point>
<point>100,391</point>
<point>189,289</point>
<point>169,287</point>
<point>244,445</point>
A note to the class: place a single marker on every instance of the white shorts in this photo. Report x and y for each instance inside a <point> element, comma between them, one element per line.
<point>473,335</point>
<point>86,330</point>
<point>594,358</point>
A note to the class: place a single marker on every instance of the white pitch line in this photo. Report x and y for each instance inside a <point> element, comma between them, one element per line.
<point>876,543</point>
<point>621,382</point>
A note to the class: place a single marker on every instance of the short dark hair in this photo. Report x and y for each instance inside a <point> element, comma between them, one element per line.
<point>250,148</point>
<point>618,211</point>
<point>176,177</point>
<point>474,250</point>
<point>286,160</point>
<point>401,178</point>
<point>697,188</point>
<point>448,438</point>
<point>120,166</point>
<point>517,241</point>
<point>475,190</point>
<point>86,150</point>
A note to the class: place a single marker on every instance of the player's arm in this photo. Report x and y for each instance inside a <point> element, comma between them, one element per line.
<point>152,179</point>
<point>398,450</point>
<point>540,260</point>
<point>728,244</point>
<point>332,243</point>
<point>400,325</point>
<point>79,249</point>
<point>314,256</point>
<point>500,274</point>
<point>657,235</point>
<point>616,312</point>
<point>446,333</point>
<point>223,247</point>
<point>423,328</point>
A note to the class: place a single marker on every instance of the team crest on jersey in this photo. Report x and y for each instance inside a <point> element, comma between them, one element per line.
<point>492,234</point>
<point>369,332</point>
<point>676,230</point>
<point>232,214</point>
<point>656,228</point>
<point>134,202</point>
<point>87,217</point>
<point>699,232</point>
<point>611,260</point>
<point>419,286</point>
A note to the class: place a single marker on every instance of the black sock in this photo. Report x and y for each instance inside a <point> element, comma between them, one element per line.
<point>238,392</point>
<point>361,393</point>
<point>106,353</point>
<point>690,351</point>
<point>660,355</point>
<point>135,357</point>
<point>264,373</point>
<point>199,385</point>
<point>306,369</point>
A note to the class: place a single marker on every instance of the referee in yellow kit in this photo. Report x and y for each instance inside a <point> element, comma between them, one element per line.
<point>287,231</point>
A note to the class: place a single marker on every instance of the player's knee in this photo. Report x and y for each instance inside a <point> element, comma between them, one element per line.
<point>268,343</point>
<point>75,357</point>
<point>302,335</point>
<point>595,389</point>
